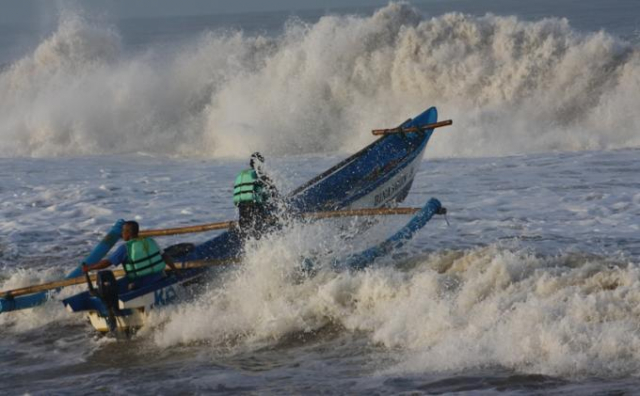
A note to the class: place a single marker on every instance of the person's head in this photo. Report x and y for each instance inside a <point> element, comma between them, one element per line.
<point>256,160</point>
<point>130,230</point>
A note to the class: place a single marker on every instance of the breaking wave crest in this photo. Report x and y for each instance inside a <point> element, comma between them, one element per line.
<point>42,316</point>
<point>569,315</point>
<point>511,87</point>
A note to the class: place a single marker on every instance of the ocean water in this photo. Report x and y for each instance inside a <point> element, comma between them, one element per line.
<point>533,287</point>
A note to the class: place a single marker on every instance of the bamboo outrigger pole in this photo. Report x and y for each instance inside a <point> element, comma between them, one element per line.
<point>188,230</point>
<point>203,263</point>
<point>117,273</point>
<point>313,215</point>
<point>362,212</point>
<point>420,128</point>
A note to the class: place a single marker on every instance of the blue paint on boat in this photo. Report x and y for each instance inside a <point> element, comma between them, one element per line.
<point>365,258</point>
<point>343,184</point>
<point>365,171</point>
<point>164,291</point>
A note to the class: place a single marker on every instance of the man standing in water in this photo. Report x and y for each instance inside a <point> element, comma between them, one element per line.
<point>256,197</point>
<point>141,258</point>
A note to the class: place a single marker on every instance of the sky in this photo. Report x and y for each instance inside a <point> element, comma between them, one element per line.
<point>23,11</point>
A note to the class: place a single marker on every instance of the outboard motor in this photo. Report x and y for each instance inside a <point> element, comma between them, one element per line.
<point>108,293</point>
<point>108,288</point>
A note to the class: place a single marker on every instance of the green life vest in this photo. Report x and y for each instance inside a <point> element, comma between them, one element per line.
<point>247,188</point>
<point>144,258</point>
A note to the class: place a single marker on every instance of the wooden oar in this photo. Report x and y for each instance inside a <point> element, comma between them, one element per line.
<point>313,215</point>
<point>419,128</point>
<point>118,273</point>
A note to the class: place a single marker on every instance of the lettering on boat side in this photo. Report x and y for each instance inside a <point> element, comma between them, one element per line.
<point>165,296</point>
<point>388,192</point>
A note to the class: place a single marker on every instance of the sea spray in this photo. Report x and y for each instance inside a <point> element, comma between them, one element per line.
<point>266,298</point>
<point>511,87</point>
<point>569,315</point>
<point>566,315</point>
<point>40,317</point>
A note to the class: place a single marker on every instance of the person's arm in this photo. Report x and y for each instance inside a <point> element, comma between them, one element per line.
<point>117,257</point>
<point>169,261</point>
<point>104,263</point>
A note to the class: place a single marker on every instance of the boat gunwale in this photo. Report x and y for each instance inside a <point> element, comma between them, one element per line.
<point>406,162</point>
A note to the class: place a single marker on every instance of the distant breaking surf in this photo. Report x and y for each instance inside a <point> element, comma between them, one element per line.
<point>511,87</point>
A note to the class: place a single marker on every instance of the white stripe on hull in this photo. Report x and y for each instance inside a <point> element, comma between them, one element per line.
<point>140,307</point>
<point>388,191</point>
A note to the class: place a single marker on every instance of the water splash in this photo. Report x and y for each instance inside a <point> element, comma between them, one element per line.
<point>570,315</point>
<point>511,87</point>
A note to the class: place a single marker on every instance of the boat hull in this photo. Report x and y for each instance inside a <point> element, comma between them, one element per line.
<point>133,306</point>
<point>379,175</point>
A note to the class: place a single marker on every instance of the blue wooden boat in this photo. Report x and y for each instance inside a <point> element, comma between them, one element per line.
<point>379,175</point>
<point>129,309</point>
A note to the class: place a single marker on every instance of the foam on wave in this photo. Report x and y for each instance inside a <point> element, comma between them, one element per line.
<point>511,86</point>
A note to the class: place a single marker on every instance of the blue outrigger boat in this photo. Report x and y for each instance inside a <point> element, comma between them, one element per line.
<point>379,175</point>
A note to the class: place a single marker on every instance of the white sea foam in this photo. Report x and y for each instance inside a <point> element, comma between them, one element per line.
<point>444,303</point>
<point>268,297</point>
<point>41,316</point>
<point>511,87</point>
<point>567,315</point>
<point>564,316</point>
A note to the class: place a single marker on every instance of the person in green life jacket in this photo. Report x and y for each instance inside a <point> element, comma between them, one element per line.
<point>141,258</point>
<point>256,198</point>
